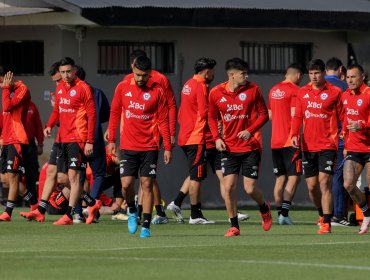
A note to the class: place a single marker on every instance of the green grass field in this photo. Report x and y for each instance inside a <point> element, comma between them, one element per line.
<point>31,250</point>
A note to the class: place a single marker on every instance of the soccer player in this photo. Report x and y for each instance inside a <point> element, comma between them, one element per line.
<point>318,107</point>
<point>75,110</point>
<point>286,160</point>
<point>162,80</point>
<point>140,104</point>
<point>356,127</point>
<point>334,68</point>
<point>15,102</point>
<point>193,120</point>
<point>243,112</point>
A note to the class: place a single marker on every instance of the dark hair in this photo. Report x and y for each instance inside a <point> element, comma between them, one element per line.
<point>204,63</point>
<point>316,64</point>
<point>54,68</point>
<point>236,63</point>
<point>3,70</point>
<point>357,66</point>
<point>135,54</point>
<point>333,64</point>
<point>66,61</point>
<point>143,63</point>
<point>80,72</point>
<point>296,66</point>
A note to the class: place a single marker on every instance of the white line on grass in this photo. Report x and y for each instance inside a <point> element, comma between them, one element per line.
<point>35,250</point>
<point>196,261</point>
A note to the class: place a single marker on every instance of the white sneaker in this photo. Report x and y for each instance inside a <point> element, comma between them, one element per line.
<point>285,220</point>
<point>159,220</point>
<point>200,221</point>
<point>177,211</point>
<point>242,217</point>
<point>120,216</point>
<point>365,225</point>
<point>77,219</point>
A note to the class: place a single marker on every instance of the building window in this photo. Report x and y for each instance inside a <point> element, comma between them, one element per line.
<point>114,56</point>
<point>23,57</point>
<point>275,57</point>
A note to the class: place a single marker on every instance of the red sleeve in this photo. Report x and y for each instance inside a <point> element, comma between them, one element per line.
<point>90,111</point>
<point>340,109</point>
<point>115,114</point>
<point>163,122</point>
<point>213,117</point>
<point>202,101</point>
<point>1,124</point>
<point>172,107</point>
<point>298,117</point>
<point>10,103</point>
<point>262,113</point>
<point>38,129</point>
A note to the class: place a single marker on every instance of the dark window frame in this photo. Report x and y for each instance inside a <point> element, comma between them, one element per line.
<point>114,56</point>
<point>23,57</point>
<point>274,58</point>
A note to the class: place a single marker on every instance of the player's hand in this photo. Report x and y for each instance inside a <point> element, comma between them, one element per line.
<point>47,132</point>
<point>220,145</point>
<point>8,79</point>
<point>88,149</point>
<point>295,142</point>
<point>112,149</point>
<point>167,157</point>
<point>245,135</point>
<point>106,135</point>
<point>353,126</point>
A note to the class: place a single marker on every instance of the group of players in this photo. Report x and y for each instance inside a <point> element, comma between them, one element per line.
<point>220,125</point>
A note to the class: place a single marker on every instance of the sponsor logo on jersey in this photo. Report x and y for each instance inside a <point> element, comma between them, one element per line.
<point>229,117</point>
<point>129,94</point>
<point>223,99</point>
<point>314,104</point>
<point>146,96</point>
<point>243,96</point>
<point>306,96</point>
<point>63,100</point>
<point>234,107</point>
<point>186,90</point>
<point>136,105</point>
<point>309,114</point>
<point>359,102</point>
<point>352,112</point>
<point>72,92</point>
<point>278,94</point>
<point>324,96</point>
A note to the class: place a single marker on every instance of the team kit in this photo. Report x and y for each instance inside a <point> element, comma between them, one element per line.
<point>320,131</point>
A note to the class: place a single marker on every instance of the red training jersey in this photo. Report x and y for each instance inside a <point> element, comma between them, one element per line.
<point>16,99</point>
<point>33,125</point>
<point>356,107</point>
<point>163,81</point>
<point>282,97</point>
<point>319,110</point>
<point>193,112</point>
<point>143,112</point>
<point>75,109</point>
<point>244,109</point>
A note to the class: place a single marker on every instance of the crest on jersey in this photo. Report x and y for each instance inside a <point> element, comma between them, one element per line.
<point>324,96</point>
<point>146,96</point>
<point>186,90</point>
<point>243,96</point>
<point>72,92</point>
<point>359,102</point>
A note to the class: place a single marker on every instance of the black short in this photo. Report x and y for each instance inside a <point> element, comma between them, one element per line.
<point>287,161</point>
<point>70,156</point>
<point>361,158</point>
<point>213,157</point>
<point>54,154</point>
<point>133,161</point>
<point>11,159</point>
<point>249,161</point>
<point>315,162</point>
<point>196,161</point>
